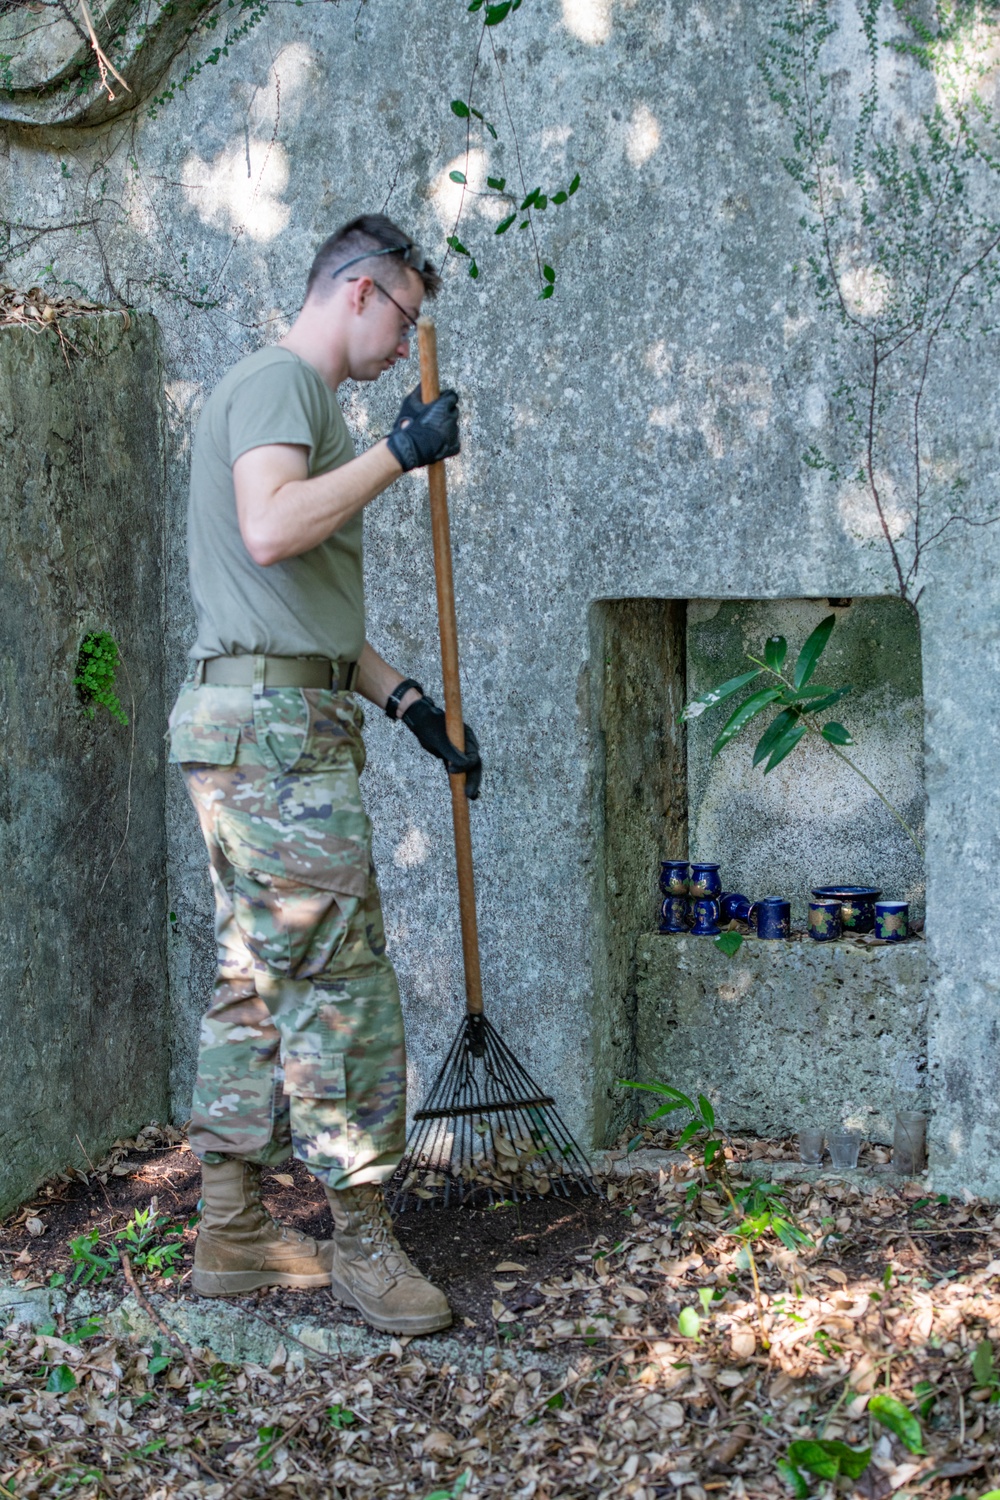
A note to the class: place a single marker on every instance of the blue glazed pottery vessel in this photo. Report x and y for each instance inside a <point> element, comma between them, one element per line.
<point>857,904</point>
<point>674,877</point>
<point>773,917</point>
<point>705,882</point>
<point>734,906</point>
<point>892,921</point>
<point>674,914</point>
<point>706,918</point>
<point>824,921</point>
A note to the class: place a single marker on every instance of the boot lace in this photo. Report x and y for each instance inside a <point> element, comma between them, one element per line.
<point>284,1231</point>
<point>378,1233</point>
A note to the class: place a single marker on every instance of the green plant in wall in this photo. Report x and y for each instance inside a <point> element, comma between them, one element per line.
<point>96,668</point>
<point>802,708</point>
<point>901,246</point>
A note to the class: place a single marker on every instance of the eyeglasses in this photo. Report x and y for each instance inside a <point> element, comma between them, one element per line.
<point>409,326</point>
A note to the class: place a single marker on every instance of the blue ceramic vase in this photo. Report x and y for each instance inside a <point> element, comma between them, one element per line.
<point>892,921</point>
<point>674,914</point>
<point>674,877</point>
<point>733,906</point>
<point>705,883</point>
<point>706,918</point>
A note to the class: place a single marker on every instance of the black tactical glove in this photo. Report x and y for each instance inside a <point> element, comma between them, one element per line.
<point>426,721</point>
<point>430,432</point>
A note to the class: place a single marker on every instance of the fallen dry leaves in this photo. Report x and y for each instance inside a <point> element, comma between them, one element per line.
<point>896,1294</point>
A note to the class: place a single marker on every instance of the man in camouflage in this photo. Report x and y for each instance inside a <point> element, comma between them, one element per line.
<point>302,1045</point>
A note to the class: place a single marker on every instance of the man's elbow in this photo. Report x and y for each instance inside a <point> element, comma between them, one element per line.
<point>263,546</point>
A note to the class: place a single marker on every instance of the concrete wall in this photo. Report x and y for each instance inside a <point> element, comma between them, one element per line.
<point>83,1039</point>
<point>639,435</point>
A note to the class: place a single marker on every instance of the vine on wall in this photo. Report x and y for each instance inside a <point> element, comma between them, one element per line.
<point>902,240</point>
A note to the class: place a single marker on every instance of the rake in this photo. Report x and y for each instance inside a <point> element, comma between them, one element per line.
<point>487,1130</point>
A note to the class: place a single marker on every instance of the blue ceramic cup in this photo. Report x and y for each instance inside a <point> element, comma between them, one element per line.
<point>772,917</point>
<point>733,905</point>
<point>674,914</point>
<point>824,921</point>
<point>674,877</point>
<point>705,882</point>
<point>892,921</point>
<point>706,918</point>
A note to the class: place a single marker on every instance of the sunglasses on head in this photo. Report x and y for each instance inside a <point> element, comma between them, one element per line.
<point>412,255</point>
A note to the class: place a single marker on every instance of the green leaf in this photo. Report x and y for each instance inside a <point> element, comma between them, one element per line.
<point>812,1456</point>
<point>541,202</point>
<point>689,1323</point>
<point>456,245</point>
<point>754,705</point>
<point>478,114</point>
<point>545,293</point>
<point>785,745</point>
<point>505,224</point>
<point>812,651</point>
<point>460,108</point>
<point>659,1088</point>
<point>982,1363</point>
<point>560,197</point>
<point>574,184</point>
<point>491,128</point>
<point>497,13</point>
<point>476,5</point>
<point>474,271</point>
<point>773,733</point>
<point>457,177</point>
<point>707,1112</point>
<point>775,648</point>
<point>836,733</point>
<point>795,1481</point>
<point>690,1130</point>
<point>548,273</point>
<point>712,1149</point>
<point>898,1418</point>
<point>853,1461</point>
<point>716,695</point>
<point>530,199</point>
<point>61,1380</point>
<point>729,943</point>
<point>499,183</point>
<point>823,703</point>
<point>664,1109</point>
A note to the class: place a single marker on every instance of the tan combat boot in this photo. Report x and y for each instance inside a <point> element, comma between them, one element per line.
<point>239,1246</point>
<point>371,1270</point>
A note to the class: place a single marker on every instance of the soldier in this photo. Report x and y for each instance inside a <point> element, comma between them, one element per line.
<point>302,1044</point>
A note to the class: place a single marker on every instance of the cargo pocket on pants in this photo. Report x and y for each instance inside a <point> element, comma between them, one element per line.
<point>315,1076</point>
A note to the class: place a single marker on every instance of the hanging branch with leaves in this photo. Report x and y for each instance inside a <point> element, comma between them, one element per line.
<point>519,207</point>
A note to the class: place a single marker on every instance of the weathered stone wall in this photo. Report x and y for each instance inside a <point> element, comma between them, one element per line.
<point>83,1038</point>
<point>639,435</point>
<point>786,1035</point>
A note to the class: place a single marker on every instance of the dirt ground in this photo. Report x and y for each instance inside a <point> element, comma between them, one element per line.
<point>680,1380</point>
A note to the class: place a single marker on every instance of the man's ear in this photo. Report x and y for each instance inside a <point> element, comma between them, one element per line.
<point>361,293</point>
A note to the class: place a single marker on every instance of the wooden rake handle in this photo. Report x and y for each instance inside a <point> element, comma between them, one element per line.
<point>430,389</point>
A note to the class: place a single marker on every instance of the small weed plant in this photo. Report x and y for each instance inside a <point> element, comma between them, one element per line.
<point>148,1239</point>
<point>96,665</point>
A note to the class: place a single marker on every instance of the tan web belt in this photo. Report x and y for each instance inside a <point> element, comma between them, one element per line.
<point>280,671</point>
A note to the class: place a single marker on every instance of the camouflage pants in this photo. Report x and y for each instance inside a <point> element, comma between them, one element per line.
<point>302,1043</point>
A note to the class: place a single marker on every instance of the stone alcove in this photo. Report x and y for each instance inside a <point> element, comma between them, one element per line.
<point>781,1033</point>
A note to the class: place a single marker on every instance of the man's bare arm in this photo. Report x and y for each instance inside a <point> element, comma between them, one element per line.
<point>377,679</point>
<point>282,512</point>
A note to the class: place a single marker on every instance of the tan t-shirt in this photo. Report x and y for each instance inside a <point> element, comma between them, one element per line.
<point>310,605</point>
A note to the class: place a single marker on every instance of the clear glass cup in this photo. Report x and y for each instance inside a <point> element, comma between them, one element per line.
<point>844,1146</point>
<point>811,1147</point>
<point>909,1142</point>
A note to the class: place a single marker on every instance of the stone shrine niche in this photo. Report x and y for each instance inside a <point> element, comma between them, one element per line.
<point>783,1033</point>
<point>49,71</point>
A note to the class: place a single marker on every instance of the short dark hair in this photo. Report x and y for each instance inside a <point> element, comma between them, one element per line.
<point>380,237</point>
